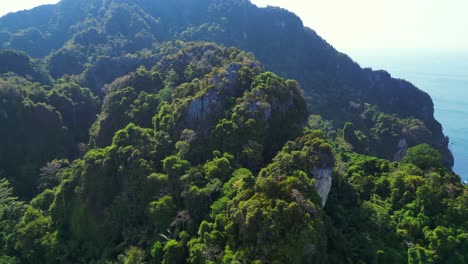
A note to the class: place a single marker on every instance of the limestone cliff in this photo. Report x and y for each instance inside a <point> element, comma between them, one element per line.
<point>401,152</point>
<point>323,182</point>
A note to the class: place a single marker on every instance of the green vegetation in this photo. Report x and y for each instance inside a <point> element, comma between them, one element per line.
<point>191,152</point>
<point>382,212</point>
<point>21,64</point>
<point>40,123</point>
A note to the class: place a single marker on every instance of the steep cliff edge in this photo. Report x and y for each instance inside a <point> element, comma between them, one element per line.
<point>323,182</point>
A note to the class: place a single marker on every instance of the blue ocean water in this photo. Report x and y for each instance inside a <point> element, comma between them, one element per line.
<point>444,75</point>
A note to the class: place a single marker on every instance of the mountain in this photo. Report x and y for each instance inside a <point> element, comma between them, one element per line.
<point>209,131</point>
<point>77,36</point>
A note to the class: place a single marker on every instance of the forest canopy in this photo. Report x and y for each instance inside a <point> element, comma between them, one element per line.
<point>212,132</point>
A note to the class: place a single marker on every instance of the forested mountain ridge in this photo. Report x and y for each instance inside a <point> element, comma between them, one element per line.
<point>129,139</point>
<point>74,35</point>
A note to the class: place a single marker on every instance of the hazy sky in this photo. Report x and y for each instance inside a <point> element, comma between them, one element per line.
<point>399,24</point>
<point>7,6</point>
<point>364,24</point>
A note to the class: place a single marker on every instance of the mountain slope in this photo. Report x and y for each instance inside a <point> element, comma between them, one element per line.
<point>334,84</point>
<point>194,152</point>
<point>222,168</point>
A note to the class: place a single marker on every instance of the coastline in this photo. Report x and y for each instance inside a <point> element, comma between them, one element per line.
<point>444,76</point>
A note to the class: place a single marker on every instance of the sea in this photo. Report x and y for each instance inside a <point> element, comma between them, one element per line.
<point>444,76</point>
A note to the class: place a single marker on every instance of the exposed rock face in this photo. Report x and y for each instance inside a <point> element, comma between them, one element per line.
<point>323,182</point>
<point>401,150</point>
<point>203,109</point>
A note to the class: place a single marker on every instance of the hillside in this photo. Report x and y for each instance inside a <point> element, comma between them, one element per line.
<point>138,131</point>
<point>76,36</point>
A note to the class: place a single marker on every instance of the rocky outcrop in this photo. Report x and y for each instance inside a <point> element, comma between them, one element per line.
<point>200,108</point>
<point>401,150</point>
<point>323,182</point>
<point>206,107</point>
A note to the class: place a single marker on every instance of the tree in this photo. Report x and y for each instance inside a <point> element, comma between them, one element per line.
<point>424,156</point>
<point>162,211</point>
<point>173,252</point>
<point>133,255</point>
<point>10,212</point>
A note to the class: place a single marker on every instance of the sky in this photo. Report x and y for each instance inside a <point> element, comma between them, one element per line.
<point>389,24</point>
<point>7,6</point>
<point>364,24</point>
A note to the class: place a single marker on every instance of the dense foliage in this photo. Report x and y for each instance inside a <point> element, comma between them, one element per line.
<point>40,123</point>
<point>191,152</point>
<point>410,212</point>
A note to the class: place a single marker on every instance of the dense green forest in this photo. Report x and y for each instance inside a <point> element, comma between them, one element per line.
<point>209,131</point>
